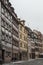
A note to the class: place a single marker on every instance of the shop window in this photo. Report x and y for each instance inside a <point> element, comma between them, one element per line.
<point>8,53</point>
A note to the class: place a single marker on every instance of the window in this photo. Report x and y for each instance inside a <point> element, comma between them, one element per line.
<point>25,38</point>
<point>9,39</point>
<point>6,1</point>
<point>20,27</point>
<point>5,12</point>
<point>2,23</point>
<point>36,49</point>
<point>3,36</point>
<point>9,16</point>
<point>33,50</point>
<point>2,9</point>
<point>15,56</point>
<point>6,25</point>
<point>35,35</point>
<point>21,36</point>
<point>15,43</point>
<point>36,44</point>
<point>15,33</point>
<point>32,35</point>
<point>8,54</point>
<point>15,23</point>
<point>9,28</point>
<point>6,38</point>
<point>25,45</point>
<point>25,31</point>
<point>21,44</point>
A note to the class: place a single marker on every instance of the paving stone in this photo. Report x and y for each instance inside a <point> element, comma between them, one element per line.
<point>29,62</point>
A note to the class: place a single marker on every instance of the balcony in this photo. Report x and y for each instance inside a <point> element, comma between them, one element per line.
<point>3,29</point>
<point>5,19</point>
<point>6,32</point>
<point>14,47</point>
<point>6,44</point>
<point>15,27</point>
<point>41,53</point>
<point>15,38</point>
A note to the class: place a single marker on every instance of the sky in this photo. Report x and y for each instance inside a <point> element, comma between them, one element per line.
<point>31,11</point>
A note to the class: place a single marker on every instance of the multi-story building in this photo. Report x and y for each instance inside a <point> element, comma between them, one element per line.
<point>23,45</point>
<point>35,44</point>
<point>41,51</point>
<point>38,44</point>
<point>29,41</point>
<point>9,32</point>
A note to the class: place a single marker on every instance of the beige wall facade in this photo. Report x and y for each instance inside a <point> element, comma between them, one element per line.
<point>23,45</point>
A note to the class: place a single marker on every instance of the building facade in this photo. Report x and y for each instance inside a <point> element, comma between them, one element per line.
<point>38,44</point>
<point>9,32</point>
<point>23,45</point>
<point>41,51</point>
<point>35,44</point>
<point>29,42</point>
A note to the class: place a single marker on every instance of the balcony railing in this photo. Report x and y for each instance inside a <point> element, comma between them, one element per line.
<point>15,38</point>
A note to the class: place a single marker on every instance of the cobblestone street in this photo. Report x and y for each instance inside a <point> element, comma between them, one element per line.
<point>30,62</point>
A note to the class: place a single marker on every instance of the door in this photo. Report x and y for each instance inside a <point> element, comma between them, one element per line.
<point>20,56</point>
<point>3,55</point>
<point>33,55</point>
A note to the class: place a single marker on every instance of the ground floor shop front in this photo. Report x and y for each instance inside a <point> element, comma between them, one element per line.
<point>23,56</point>
<point>8,55</point>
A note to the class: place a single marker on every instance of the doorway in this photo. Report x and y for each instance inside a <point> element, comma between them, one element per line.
<point>3,51</point>
<point>20,56</point>
<point>33,55</point>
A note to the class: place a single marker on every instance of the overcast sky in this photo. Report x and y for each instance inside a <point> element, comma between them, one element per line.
<point>31,11</point>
